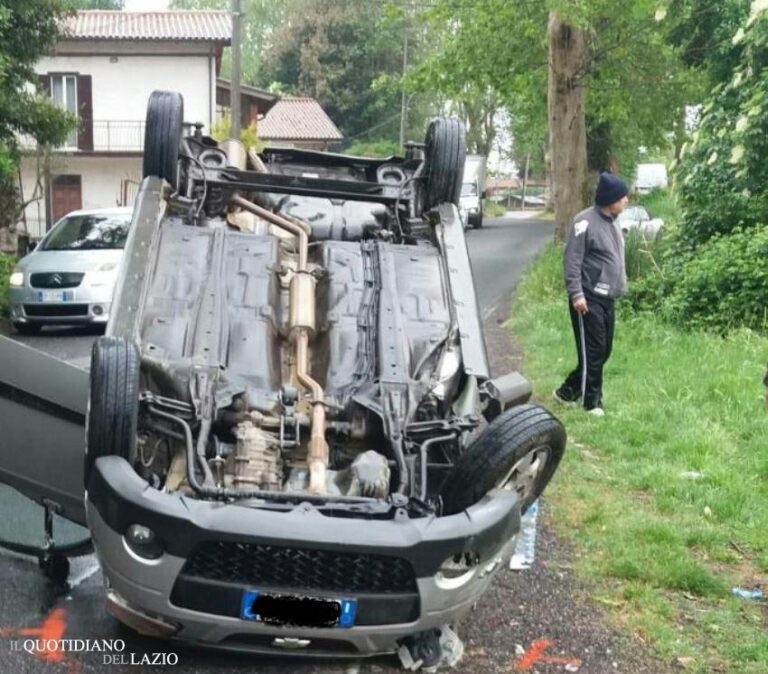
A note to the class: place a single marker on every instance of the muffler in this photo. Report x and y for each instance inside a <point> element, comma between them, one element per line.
<point>302,325</point>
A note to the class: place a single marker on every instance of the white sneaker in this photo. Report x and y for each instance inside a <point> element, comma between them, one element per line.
<point>563,401</point>
<point>596,412</point>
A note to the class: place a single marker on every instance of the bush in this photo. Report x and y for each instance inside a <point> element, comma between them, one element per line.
<point>723,173</point>
<point>725,284</point>
<point>7,263</point>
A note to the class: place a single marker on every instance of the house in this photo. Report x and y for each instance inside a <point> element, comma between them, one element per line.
<point>103,70</point>
<point>254,102</point>
<point>299,122</point>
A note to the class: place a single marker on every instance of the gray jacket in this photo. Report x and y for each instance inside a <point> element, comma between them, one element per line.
<point>594,256</point>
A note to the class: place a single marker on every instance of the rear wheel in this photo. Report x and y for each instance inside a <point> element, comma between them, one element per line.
<point>162,135</point>
<point>519,451</point>
<point>445,154</point>
<point>113,406</point>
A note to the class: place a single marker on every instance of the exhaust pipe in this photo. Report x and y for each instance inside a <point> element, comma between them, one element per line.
<point>302,328</point>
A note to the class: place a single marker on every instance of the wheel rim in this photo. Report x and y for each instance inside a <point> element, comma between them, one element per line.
<point>522,477</point>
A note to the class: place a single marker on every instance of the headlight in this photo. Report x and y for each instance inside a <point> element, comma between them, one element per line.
<point>16,279</point>
<point>457,571</point>
<point>143,541</point>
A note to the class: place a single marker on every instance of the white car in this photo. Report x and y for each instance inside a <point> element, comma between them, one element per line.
<point>637,218</point>
<point>70,276</point>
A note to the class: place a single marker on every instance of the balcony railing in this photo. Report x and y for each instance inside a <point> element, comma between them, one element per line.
<point>109,135</point>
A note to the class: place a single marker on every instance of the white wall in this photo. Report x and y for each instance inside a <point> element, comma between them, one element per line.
<point>101,179</point>
<point>121,89</point>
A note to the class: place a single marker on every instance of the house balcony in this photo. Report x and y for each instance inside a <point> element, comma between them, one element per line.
<point>99,136</point>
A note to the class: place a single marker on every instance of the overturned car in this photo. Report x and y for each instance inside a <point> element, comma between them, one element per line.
<point>293,439</point>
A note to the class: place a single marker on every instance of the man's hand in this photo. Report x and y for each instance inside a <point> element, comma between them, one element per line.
<point>580,305</point>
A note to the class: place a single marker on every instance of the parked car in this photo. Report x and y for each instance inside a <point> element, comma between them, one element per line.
<point>68,279</point>
<point>636,217</point>
<point>294,443</point>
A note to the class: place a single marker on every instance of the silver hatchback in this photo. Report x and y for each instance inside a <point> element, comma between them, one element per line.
<point>69,278</point>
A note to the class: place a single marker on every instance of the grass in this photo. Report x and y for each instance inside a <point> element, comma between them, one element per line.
<point>665,499</point>
<point>491,209</point>
<point>7,264</point>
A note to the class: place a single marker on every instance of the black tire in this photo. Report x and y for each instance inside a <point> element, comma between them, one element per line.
<point>514,434</point>
<point>477,223</point>
<point>27,328</point>
<point>446,150</point>
<point>162,135</point>
<point>113,406</point>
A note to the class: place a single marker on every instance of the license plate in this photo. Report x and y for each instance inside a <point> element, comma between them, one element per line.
<point>288,609</point>
<point>55,295</point>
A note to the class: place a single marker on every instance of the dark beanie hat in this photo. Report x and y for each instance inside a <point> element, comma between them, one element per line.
<point>610,189</point>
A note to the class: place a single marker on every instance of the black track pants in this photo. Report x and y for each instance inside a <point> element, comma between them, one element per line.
<point>594,340</point>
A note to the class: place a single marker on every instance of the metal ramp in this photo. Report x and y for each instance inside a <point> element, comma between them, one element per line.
<point>43,402</point>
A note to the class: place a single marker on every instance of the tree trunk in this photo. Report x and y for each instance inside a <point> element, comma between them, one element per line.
<point>567,126</point>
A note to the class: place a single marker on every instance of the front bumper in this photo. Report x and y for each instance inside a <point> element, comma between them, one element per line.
<point>204,610</point>
<point>84,305</point>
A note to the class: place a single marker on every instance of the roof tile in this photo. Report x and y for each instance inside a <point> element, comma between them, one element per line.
<point>298,118</point>
<point>186,25</point>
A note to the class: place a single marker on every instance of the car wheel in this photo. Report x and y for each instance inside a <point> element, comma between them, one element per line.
<point>113,406</point>
<point>519,451</point>
<point>478,223</point>
<point>162,135</point>
<point>445,154</point>
<point>27,328</point>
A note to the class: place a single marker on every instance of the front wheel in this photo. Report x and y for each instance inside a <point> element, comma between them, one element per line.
<point>113,406</point>
<point>519,451</point>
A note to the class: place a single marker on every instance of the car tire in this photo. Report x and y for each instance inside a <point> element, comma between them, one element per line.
<point>113,405</point>
<point>27,328</point>
<point>446,149</point>
<point>496,459</point>
<point>477,223</point>
<point>162,135</point>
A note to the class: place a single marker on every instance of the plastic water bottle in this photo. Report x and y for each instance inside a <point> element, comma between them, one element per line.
<point>525,548</point>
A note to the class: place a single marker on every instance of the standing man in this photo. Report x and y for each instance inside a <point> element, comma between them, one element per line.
<point>595,276</point>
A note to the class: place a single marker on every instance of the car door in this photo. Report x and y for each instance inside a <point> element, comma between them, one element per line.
<point>43,403</point>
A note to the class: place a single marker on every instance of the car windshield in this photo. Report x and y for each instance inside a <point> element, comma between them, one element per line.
<point>88,232</point>
<point>469,190</point>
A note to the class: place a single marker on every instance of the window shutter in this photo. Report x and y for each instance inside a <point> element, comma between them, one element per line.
<point>85,112</point>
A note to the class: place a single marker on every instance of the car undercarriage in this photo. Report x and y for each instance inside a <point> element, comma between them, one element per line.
<point>293,438</point>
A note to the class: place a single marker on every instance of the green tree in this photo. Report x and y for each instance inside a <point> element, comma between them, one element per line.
<point>346,53</point>
<point>619,79</point>
<point>97,4</point>
<point>261,18</point>
<point>27,31</point>
<point>723,173</point>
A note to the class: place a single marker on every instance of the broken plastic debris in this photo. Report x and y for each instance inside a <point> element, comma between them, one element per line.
<point>525,549</point>
<point>572,668</point>
<point>755,594</point>
<point>691,475</point>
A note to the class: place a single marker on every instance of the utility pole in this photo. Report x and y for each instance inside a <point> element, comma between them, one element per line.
<point>525,178</point>
<point>403,101</point>
<point>234,89</point>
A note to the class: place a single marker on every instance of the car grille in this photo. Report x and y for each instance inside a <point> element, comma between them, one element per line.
<point>55,310</point>
<point>56,279</point>
<point>280,567</point>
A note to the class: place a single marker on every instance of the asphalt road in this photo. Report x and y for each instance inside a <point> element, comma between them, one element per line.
<point>536,610</point>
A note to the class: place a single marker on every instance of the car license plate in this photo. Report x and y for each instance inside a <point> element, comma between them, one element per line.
<point>55,295</point>
<point>289,609</point>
